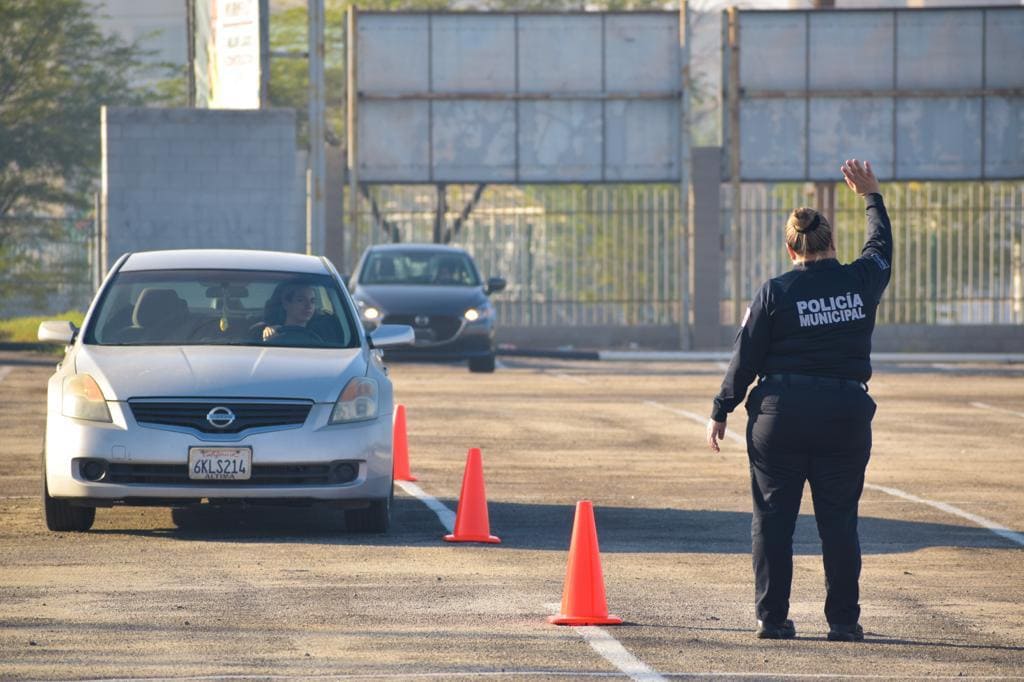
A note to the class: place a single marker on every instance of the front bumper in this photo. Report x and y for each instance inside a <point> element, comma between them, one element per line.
<point>366,445</point>
<point>472,341</point>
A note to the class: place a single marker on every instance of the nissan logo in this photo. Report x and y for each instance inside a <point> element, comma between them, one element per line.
<point>421,321</point>
<point>220,417</point>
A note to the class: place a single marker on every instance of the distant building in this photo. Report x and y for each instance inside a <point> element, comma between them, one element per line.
<point>158,26</point>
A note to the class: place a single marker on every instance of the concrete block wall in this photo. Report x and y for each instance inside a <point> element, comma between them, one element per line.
<point>201,178</point>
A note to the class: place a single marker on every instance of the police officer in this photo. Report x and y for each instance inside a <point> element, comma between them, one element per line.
<point>807,338</point>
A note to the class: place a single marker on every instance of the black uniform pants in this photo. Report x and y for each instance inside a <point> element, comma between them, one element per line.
<point>816,430</point>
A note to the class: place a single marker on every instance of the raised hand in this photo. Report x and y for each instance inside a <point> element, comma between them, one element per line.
<point>860,178</point>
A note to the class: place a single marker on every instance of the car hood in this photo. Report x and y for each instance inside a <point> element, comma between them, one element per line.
<point>125,372</point>
<point>397,299</point>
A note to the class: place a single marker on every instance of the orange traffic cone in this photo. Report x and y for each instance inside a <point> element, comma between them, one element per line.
<point>401,447</point>
<point>471,521</point>
<point>583,601</point>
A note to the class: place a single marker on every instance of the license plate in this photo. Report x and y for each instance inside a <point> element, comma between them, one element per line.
<point>220,464</point>
<point>424,335</point>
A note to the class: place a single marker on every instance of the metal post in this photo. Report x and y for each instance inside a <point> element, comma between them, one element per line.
<point>96,253</point>
<point>736,214</point>
<point>309,212</point>
<point>352,120</point>
<point>190,29</point>
<point>317,164</point>
<point>685,333</point>
<point>264,54</point>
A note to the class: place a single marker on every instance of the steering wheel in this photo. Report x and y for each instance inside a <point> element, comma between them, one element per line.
<point>294,332</point>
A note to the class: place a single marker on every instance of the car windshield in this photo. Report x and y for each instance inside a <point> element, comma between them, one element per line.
<point>419,267</point>
<point>223,308</point>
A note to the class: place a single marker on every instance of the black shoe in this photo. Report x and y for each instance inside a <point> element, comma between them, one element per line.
<point>845,633</point>
<point>783,630</point>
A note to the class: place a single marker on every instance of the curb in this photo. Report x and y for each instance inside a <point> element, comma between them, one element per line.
<point>726,356</point>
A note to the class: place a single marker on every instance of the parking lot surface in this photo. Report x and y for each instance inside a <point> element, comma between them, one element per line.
<point>275,593</point>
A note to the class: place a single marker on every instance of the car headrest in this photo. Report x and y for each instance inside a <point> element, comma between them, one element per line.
<point>385,267</point>
<point>157,307</point>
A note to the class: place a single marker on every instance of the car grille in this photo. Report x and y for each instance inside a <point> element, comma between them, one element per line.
<point>248,415</point>
<point>440,329</point>
<point>262,474</point>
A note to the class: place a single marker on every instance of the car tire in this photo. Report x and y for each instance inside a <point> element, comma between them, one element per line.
<point>186,518</point>
<point>484,364</point>
<point>376,518</point>
<point>61,515</point>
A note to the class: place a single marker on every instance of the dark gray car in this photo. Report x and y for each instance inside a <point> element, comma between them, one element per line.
<point>435,289</point>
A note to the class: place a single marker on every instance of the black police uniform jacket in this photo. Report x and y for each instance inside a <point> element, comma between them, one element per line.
<point>815,320</point>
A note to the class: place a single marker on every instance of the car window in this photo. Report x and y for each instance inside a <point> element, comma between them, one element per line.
<point>419,267</point>
<point>222,307</point>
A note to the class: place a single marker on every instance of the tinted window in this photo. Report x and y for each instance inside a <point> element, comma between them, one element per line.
<point>222,307</point>
<point>419,267</point>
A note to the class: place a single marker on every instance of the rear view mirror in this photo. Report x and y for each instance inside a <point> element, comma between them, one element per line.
<point>57,331</point>
<point>388,335</point>
<point>495,284</point>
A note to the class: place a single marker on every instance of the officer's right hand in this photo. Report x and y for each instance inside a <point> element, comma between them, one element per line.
<point>860,178</point>
<point>715,432</point>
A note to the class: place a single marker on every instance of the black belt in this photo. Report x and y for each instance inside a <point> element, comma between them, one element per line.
<point>809,380</point>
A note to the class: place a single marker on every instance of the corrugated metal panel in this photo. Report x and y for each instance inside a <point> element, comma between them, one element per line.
<point>939,49</point>
<point>473,53</point>
<point>474,140</point>
<point>938,138</point>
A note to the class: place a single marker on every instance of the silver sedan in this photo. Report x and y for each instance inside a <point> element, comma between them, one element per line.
<point>219,377</point>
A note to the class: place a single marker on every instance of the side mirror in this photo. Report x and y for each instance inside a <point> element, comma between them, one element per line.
<point>57,331</point>
<point>495,284</point>
<point>389,335</point>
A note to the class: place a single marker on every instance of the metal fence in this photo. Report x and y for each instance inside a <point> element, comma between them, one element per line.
<point>573,255</point>
<point>610,255</point>
<point>958,247</point>
<point>46,265</point>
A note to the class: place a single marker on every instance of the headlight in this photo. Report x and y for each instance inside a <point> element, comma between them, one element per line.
<point>477,314</point>
<point>83,399</point>
<point>357,402</point>
<point>369,312</point>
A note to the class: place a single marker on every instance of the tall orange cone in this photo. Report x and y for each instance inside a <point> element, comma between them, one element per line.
<point>471,521</point>
<point>583,600</point>
<point>401,447</point>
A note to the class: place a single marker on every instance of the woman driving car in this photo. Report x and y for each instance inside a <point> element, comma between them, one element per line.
<point>289,310</point>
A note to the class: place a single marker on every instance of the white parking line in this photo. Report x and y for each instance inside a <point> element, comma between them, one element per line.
<point>570,377</point>
<point>986,406</point>
<point>599,640</point>
<point>613,652</point>
<point>444,514</point>
<point>1002,531</point>
<point>4,371</point>
<point>996,528</point>
<point>945,367</point>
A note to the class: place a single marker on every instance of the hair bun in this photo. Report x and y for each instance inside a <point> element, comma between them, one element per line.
<point>811,226</point>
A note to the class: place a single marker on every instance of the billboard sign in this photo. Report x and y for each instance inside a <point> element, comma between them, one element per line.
<point>926,94</point>
<point>502,97</point>
<point>227,49</point>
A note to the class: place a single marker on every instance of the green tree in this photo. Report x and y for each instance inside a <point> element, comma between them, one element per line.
<point>56,70</point>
